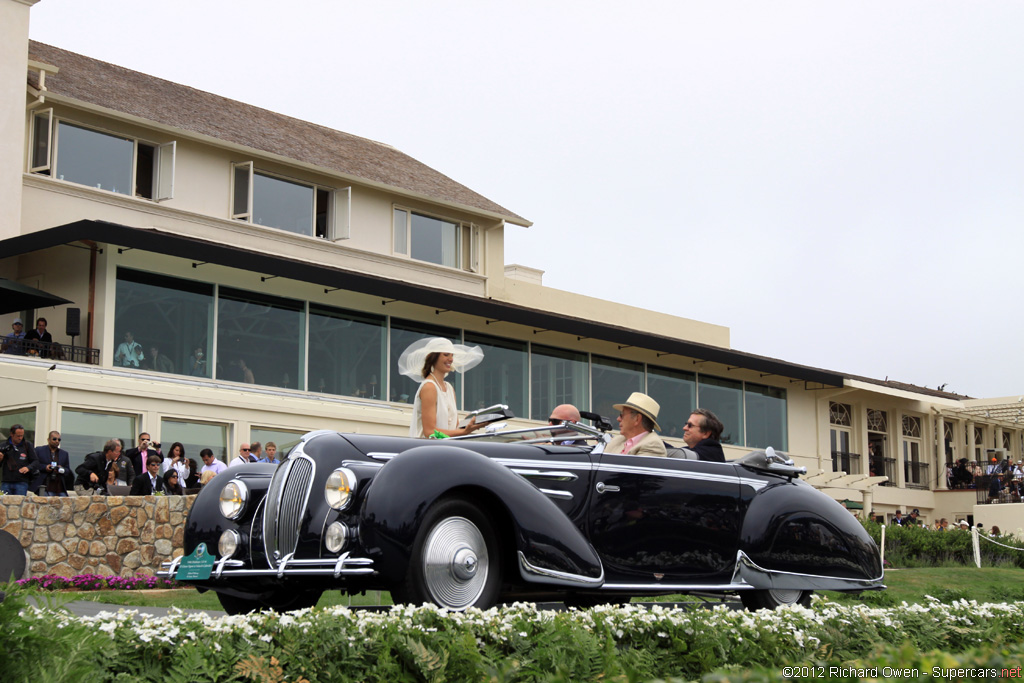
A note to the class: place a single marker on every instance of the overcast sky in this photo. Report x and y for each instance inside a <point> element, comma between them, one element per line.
<point>840,183</point>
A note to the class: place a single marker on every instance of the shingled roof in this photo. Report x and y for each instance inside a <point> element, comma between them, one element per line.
<point>179,106</point>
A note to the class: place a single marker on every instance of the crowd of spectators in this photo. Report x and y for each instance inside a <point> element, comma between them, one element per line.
<point>1003,479</point>
<point>140,471</point>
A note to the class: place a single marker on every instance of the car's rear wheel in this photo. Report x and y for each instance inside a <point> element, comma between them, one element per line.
<point>280,601</point>
<point>456,560</point>
<point>770,599</point>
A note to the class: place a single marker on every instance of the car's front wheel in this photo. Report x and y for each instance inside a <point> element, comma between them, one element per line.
<point>455,559</point>
<point>771,599</point>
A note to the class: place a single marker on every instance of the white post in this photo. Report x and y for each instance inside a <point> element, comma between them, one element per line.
<point>977,546</point>
<point>883,549</point>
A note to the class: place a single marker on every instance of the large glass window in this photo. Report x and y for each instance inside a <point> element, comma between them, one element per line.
<point>766,417</point>
<point>171,318</point>
<point>426,238</point>
<point>403,333</point>
<point>260,339</point>
<point>194,436</point>
<point>723,397</point>
<point>346,352</point>
<point>84,432</point>
<point>557,376</point>
<point>101,160</point>
<point>612,382</point>
<point>501,377</point>
<point>26,417</point>
<point>89,157</point>
<point>282,204</point>
<point>676,393</point>
<point>284,439</point>
<point>302,208</point>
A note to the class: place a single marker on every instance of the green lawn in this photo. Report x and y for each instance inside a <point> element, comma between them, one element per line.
<point>989,584</point>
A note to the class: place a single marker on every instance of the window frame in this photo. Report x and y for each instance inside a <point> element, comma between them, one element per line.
<point>468,238</point>
<point>164,163</point>
<point>338,204</point>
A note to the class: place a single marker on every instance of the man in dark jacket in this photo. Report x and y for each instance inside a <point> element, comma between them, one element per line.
<point>702,433</point>
<point>55,476</point>
<point>139,455</point>
<point>92,473</point>
<point>149,483</point>
<point>18,462</point>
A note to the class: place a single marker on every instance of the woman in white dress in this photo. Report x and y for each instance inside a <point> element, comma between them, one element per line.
<point>429,361</point>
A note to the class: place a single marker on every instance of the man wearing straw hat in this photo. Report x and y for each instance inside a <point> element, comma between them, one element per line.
<point>638,420</point>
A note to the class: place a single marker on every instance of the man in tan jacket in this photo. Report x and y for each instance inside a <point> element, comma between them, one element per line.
<point>638,420</point>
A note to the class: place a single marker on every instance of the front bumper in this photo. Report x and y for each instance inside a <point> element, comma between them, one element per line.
<point>226,568</point>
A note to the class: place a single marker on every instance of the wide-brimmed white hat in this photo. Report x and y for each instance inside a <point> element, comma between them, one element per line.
<point>410,363</point>
<point>643,404</point>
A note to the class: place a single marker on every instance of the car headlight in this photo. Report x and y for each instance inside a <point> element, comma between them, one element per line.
<point>340,488</point>
<point>233,498</point>
<point>336,537</point>
<point>229,542</point>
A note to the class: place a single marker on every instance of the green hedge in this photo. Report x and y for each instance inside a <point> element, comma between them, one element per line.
<point>915,546</point>
<point>513,644</point>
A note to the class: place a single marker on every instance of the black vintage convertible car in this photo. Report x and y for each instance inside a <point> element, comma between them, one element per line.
<point>526,514</point>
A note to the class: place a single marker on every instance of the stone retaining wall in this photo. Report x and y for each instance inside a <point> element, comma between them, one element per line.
<point>119,535</point>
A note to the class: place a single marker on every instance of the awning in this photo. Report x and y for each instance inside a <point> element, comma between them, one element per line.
<point>233,256</point>
<point>15,297</point>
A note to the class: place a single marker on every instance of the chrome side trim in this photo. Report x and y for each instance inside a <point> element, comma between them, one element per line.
<point>747,571</point>
<point>378,455</point>
<point>553,493</point>
<point>537,574</point>
<point>548,475</point>
<point>678,587</point>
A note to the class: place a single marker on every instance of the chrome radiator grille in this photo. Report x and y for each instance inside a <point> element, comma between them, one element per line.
<point>286,506</point>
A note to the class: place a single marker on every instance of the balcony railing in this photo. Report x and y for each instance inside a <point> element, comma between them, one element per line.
<point>880,466</point>
<point>54,351</point>
<point>846,462</point>
<point>1009,492</point>
<point>915,475</point>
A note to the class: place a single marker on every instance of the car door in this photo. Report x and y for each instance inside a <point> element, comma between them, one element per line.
<point>665,521</point>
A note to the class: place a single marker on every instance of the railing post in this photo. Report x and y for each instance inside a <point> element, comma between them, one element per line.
<point>976,545</point>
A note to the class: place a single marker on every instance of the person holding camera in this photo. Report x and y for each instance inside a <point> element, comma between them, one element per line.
<point>94,472</point>
<point>197,363</point>
<point>139,455</point>
<point>18,462</point>
<point>55,476</point>
<point>129,352</point>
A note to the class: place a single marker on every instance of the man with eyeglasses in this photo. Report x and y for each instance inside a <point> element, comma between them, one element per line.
<point>151,482</point>
<point>56,477</point>
<point>565,413</point>
<point>638,422</point>
<point>139,455</point>
<point>244,456</point>
<point>702,433</point>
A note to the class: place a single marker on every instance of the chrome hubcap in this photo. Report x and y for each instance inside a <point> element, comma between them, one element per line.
<point>786,597</point>
<point>455,563</point>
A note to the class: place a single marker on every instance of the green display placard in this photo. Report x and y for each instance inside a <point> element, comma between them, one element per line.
<point>197,566</point>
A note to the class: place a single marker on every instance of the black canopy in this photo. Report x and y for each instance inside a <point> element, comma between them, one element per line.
<point>16,297</point>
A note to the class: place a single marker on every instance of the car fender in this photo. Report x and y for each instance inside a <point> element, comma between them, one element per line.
<point>550,549</point>
<point>790,526</point>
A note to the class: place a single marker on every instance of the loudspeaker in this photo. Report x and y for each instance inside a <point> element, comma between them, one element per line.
<point>74,323</point>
